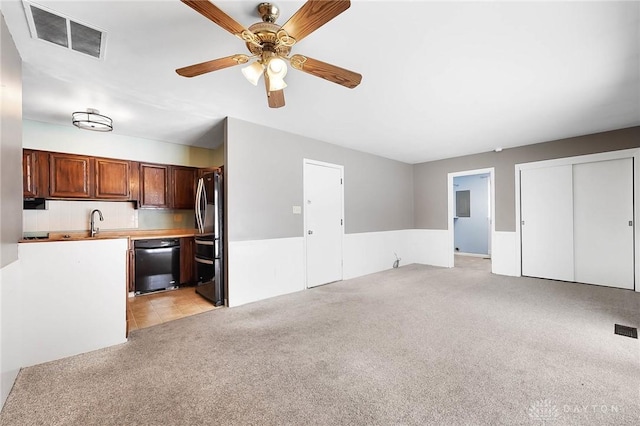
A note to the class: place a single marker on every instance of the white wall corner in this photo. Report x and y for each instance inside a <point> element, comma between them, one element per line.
<point>505,258</point>
<point>261,269</point>
<point>11,357</point>
<point>370,252</point>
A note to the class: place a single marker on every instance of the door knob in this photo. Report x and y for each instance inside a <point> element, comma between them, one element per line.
<point>309,232</point>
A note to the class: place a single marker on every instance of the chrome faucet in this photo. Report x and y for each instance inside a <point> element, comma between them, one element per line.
<point>94,230</point>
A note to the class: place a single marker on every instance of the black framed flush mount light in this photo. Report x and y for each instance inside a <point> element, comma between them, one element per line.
<point>91,119</point>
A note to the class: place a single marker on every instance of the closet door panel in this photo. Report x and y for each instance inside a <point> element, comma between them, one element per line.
<point>546,197</point>
<point>603,208</point>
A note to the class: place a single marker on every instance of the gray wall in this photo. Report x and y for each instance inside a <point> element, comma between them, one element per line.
<point>430,183</point>
<point>10,149</point>
<point>264,180</point>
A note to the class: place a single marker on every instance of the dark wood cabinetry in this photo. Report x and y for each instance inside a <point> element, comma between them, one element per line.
<point>70,176</point>
<point>183,187</point>
<point>154,185</point>
<point>187,263</point>
<point>30,174</point>
<point>112,179</point>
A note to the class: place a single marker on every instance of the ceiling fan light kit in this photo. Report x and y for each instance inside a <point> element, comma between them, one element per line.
<point>91,119</point>
<point>253,72</point>
<point>271,44</point>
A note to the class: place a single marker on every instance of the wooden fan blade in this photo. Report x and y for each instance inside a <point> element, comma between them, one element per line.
<point>329,72</point>
<point>212,12</point>
<point>276,98</point>
<point>214,65</point>
<point>312,15</point>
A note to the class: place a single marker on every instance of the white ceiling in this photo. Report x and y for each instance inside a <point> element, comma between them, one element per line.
<point>440,79</point>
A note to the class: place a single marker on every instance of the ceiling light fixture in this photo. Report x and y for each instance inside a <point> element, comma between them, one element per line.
<point>276,70</point>
<point>253,72</point>
<point>91,119</point>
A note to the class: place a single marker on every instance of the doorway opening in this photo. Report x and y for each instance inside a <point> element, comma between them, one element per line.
<point>471,212</point>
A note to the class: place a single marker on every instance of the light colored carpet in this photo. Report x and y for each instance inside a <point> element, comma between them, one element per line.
<point>414,345</point>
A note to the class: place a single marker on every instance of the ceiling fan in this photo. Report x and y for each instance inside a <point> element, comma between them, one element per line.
<point>271,45</point>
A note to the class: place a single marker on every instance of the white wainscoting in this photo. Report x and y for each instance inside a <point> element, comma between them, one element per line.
<point>261,269</point>
<point>74,297</point>
<point>10,327</point>
<point>504,257</point>
<point>369,252</point>
<point>431,247</point>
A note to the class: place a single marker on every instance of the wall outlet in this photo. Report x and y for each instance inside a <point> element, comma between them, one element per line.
<point>297,209</point>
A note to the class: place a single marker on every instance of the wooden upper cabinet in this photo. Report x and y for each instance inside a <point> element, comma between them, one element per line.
<point>70,176</point>
<point>154,185</point>
<point>30,175</point>
<point>183,187</point>
<point>112,179</point>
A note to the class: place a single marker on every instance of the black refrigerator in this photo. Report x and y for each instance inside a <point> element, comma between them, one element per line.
<point>209,242</point>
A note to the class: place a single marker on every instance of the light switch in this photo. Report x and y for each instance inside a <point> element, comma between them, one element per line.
<point>297,210</point>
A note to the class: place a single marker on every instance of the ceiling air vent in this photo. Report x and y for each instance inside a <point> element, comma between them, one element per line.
<point>53,27</point>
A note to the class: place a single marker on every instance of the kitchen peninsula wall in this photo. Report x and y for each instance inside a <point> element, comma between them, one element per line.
<point>64,215</point>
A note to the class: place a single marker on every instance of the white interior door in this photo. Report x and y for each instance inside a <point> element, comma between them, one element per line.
<point>546,206</point>
<point>323,221</point>
<point>603,219</point>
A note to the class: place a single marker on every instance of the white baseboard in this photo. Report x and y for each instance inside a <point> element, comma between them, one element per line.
<point>261,269</point>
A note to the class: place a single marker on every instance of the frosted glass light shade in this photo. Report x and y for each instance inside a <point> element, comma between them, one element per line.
<point>253,72</point>
<point>277,70</point>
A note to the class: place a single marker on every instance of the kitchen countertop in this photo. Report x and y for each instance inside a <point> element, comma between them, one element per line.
<point>133,234</point>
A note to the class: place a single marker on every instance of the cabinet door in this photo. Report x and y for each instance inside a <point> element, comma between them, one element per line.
<point>187,262</point>
<point>70,176</point>
<point>183,181</point>
<point>30,176</point>
<point>154,185</point>
<point>112,179</point>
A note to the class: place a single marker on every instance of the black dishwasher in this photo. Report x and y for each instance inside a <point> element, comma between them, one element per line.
<point>157,264</point>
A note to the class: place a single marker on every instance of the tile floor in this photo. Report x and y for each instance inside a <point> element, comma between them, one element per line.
<point>152,309</point>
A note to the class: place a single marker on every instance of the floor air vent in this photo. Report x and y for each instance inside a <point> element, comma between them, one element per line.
<point>624,330</point>
<point>50,26</point>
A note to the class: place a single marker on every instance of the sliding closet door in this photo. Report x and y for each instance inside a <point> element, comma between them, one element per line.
<point>546,197</point>
<point>603,211</point>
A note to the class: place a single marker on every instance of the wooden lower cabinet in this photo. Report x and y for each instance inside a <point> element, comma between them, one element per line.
<point>187,262</point>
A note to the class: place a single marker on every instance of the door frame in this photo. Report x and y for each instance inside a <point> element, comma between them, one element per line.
<point>451,209</point>
<point>588,158</point>
<point>305,162</point>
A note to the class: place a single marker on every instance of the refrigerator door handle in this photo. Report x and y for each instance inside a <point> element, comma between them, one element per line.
<point>203,209</point>
<point>199,206</point>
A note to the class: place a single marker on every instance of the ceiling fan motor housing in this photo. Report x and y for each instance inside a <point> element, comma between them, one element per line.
<point>267,34</point>
<point>269,12</point>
